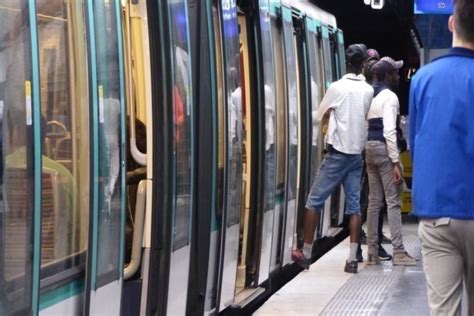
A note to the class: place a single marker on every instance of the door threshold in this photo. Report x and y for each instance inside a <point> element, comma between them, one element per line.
<point>246,296</point>
<point>333,231</point>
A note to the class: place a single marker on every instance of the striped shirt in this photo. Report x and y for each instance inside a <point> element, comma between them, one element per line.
<point>350,99</point>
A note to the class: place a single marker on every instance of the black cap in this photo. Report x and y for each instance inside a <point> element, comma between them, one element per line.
<point>356,54</point>
<point>385,65</point>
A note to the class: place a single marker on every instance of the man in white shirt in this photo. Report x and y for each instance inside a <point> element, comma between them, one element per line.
<point>383,162</point>
<point>347,102</point>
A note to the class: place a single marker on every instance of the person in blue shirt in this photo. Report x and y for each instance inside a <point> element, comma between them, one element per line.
<point>442,150</point>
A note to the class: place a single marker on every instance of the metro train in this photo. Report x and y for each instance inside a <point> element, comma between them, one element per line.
<point>156,155</point>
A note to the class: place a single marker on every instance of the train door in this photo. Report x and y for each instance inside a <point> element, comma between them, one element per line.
<point>45,162</point>
<point>268,142</point>
<point>139,160</point>
<point>303,120</point>
<point>182,167</point>
<point>292,135</point>
<point>334,208</point>
<point>246,271</point>
<point>259,120</point>
<point>107,218</point>
<point>212,297</point>
<point>58,109</point>
<point>281,134</point>
<point>21,172</point>
<point>66,107</point>
<point>317,88</point>
<point>173,160</point>
<point>316,82</point>
<point>229,114</point>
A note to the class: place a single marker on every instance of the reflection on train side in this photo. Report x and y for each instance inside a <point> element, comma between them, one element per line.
<point>264,67</point>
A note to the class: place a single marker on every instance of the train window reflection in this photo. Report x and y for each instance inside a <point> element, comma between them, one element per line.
<point>64,111</point>
<point>220,113</point>
<point>110,154</point>
<point>234,116</point>
<point>16,178</point>
<point>182,127</point>
<point>270,122</point>
<point>315,84</point>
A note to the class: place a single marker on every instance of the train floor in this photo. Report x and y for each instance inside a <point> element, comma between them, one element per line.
<point>325,289</point>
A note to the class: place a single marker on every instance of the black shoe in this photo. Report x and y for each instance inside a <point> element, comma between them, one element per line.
<point>351,267</point>
<point>383,255</point>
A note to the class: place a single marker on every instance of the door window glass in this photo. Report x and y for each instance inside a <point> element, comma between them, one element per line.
<point>110,149</point>
<point>220,113</point>
<point>182,124</point>
<point>315,90</point>
<point>290,60</point>
<point>269,101</point>
<point>234,113</point>
<point>16,160</point>
<point>65,135</point>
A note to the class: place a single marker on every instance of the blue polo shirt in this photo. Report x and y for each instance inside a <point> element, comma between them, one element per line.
<point>442,136</point>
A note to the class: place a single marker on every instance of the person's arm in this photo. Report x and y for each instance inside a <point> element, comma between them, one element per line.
<point>390,112</point>
<point>331,100</point>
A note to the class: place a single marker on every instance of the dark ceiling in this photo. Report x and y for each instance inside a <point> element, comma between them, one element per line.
<point>387,30</point>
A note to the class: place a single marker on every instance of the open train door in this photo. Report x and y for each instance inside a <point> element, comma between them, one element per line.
<point>104,270</point>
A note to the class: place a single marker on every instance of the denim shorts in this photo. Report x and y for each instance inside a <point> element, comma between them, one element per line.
<point>337,168</point>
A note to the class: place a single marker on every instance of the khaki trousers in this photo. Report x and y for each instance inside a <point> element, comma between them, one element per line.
<point>382,187</point>
<point>448,262</point>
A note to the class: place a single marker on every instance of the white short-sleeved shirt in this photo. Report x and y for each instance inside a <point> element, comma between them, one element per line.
<point>350,99</point>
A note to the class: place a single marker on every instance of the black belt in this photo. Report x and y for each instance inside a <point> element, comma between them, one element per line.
<point>331,149</point>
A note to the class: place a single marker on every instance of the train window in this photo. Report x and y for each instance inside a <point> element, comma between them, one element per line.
<point>217,216</point>
<point>110,149</point>
<point>334,57</point>
<point>268,141</point>
<point>292,76</point>
<point>220,111</point>
<point>328,71</point>
<point>314,53</point>
<point>65,126</point>
<point>270,121</point>
<point>341,53</point>
<point>280,108</point>
<point>234,114</point>
<point>16,178</point>
<point>292,133</point>
<point>182,124</point>
<point>281,142</point>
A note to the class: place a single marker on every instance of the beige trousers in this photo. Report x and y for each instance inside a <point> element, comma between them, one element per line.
<point>382,187</point>
<point>448,262</point>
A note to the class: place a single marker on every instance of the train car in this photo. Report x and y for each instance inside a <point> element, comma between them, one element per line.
<point>156,155</point>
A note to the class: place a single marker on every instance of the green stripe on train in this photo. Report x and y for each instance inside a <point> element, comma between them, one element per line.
<point>61,294</point>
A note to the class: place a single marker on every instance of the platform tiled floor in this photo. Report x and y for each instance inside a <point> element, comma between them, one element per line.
<point>376,290</point>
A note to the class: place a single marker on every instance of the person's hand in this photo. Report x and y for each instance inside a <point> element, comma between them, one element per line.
<point>397,173</point>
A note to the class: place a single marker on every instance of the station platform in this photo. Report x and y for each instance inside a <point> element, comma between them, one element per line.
<point>325,289</point>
